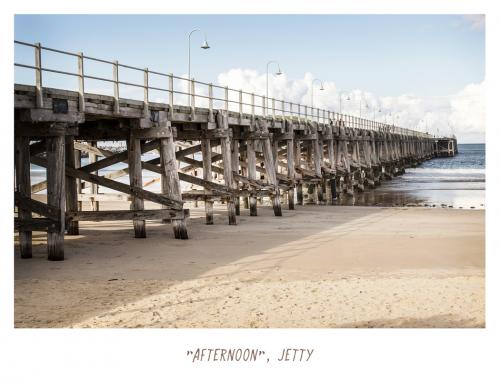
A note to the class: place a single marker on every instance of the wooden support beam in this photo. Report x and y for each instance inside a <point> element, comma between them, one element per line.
<point>71,188</point>
<point>235,160</point>
<point>34,206</point>
<point>222,124</point>
<point>113,215</point>
<point>94,188</point>
<point>170,183</point>
<point>55,195</point>
<point>271,172</point>
<point>23,180</point>
<point>290,165</point>
<point>135,176</point>
<point>206,153</point>
<point>35,224</point>
<point>298,159</point>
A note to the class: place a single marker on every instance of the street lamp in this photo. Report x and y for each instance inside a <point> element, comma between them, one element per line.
<point>203,46</point>
<point>366,105</point>
<point>312,90</point>
<point>279,72</point>
<point>340,100</point>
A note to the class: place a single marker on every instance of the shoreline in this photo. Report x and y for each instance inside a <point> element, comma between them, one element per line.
<point>321,266</point>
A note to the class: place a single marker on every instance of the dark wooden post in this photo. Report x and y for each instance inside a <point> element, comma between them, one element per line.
<point>23,183</point>
<point>225,143</point>
<point>135,176</point>
<point>71,188</point>
<point>235,164</point>
<point>252,174</point>
<point>94,188</point>
<point>206,152</point>
<point>271,175</point>
<point>298,185</point>
<point>290,164</point>
<point>78,164</point>
<point>171,186</point>
<point>55,195</point>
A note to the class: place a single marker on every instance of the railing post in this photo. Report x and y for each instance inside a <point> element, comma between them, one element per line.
<point>210,102</point>
<point>116,88</point>
<point>146,93</point>
<point>193,97</point>
<point>226,98</point>
<point>274,107</point>
<point>81,83</point>
<point>253,105</point>
<point>264,105</point>
<point>240,104</point>
<point>171,95</point>
<point>283,109</point>
<point>38,75</point>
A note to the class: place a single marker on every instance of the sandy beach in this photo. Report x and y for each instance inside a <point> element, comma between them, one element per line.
<point>320,266</point>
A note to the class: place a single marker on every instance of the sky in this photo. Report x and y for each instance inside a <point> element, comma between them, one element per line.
<point>418,71</point>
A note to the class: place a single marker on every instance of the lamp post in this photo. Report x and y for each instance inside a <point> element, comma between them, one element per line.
<point>366,105</point>
<point>279,72</point>
<point>340,100</point>
<point>312,90</point>
<point>203,46</point>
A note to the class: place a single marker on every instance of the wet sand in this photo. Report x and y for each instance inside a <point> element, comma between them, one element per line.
<point>318,266</point>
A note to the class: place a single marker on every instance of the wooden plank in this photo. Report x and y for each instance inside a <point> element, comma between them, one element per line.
<point>135,177</point>
<point>151,133</point>
<point>118,215</point>
<point>23,180</point>
<point>55,195</point>
<point>35,224</point>
<point>71,188</point>
<point>44,129</point>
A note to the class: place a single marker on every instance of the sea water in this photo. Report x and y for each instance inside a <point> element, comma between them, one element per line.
<point>457,182</point>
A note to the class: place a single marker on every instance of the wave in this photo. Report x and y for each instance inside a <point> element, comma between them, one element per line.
<point>451,171</point>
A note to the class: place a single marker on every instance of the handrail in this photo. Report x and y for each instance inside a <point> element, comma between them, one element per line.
<point>278,108</point>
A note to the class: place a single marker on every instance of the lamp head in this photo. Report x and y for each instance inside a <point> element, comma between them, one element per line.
<point>321,88</point>
<point>279,72</point>
<point>205,45</point>
<point>348,98</point>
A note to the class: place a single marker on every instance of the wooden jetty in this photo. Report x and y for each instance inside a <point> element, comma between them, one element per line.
<point>238,149</point>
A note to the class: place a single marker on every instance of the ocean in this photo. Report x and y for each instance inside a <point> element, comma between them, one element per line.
<point>457,182</point>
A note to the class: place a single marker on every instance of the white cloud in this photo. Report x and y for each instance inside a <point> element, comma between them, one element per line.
<point>461,113</point>
<point>475,21</point>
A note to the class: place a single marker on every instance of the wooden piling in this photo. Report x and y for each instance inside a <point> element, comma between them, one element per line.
<point>71,186</point>
<point>23,185</point>
<point>170,178</point>
<point>55,196</point>
<point>206,153</point>
<point>135,176</point>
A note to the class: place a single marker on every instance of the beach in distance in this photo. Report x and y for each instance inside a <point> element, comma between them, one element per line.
<point>320,266</point>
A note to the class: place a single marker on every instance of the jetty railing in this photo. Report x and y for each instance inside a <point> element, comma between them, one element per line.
<point>189,92</point>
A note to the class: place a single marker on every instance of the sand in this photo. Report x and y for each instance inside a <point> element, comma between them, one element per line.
<point>318,266</point>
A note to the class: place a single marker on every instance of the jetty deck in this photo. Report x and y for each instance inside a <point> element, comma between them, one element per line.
<point>251,147</point>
